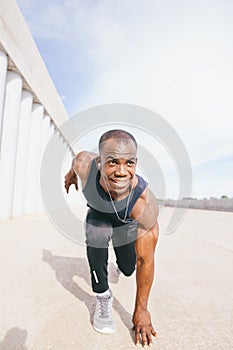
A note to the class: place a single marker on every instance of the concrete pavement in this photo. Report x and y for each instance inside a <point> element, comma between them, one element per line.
<point>46,301</point>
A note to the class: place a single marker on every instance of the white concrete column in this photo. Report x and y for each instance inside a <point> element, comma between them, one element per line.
<point>22,153</point>
<point>51,130</point>
<point>49,134</point>
<point>44,141</point>
<point>9,142</point>
<point>61,138</point>
<point>70,154</point>
<point>3,71</point>
<point>33,161</point>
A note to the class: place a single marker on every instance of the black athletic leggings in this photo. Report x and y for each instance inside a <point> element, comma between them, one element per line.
<point>99,232</point>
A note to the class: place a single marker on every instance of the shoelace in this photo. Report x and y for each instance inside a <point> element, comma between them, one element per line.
<point>103,303</point>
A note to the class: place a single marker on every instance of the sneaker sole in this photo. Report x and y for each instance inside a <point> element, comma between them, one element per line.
<point>105,330</point>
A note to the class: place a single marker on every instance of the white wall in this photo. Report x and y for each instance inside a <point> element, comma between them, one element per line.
<point>30,109</point>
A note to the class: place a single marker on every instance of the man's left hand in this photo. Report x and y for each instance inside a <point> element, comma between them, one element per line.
<point>71,179</point>
<point>143,328</point>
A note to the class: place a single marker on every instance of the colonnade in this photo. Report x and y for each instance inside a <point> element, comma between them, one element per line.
<point>25,129</point>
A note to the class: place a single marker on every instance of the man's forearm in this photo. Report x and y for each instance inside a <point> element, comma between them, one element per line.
<point>145,250</point>
<point>144,279</point>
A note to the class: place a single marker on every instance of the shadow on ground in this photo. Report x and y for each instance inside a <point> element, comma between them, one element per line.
<point>66,268</point>
<point>15,339</point>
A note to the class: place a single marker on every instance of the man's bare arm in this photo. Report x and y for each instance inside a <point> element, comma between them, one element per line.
<point>145,248</point>
<point>80,168</point>
<point>145,244</point>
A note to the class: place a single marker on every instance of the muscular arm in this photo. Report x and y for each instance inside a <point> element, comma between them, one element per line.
<point>145,247</point>
<point>80,168</point>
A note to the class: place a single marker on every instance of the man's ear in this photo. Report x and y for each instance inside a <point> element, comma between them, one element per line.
<point>97,161</point>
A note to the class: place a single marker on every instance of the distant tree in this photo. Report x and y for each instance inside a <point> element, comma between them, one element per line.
<point>188,198</point>
<point>224,197</point>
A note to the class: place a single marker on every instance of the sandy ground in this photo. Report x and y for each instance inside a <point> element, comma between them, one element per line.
<point>46,301</point>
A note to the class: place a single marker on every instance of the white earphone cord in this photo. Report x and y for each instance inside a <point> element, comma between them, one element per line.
<point>127,204</point>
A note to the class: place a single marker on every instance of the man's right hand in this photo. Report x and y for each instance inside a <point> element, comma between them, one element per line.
<point>71,179</point>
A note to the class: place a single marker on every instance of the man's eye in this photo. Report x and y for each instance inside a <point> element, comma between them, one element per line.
<point>130,162</point>
<point>112,162</point>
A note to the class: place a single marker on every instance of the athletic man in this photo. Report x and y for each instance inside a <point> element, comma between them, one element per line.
<point>121,209</point>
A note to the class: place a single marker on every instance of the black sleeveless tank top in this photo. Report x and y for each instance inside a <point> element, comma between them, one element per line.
<point>99,200</point>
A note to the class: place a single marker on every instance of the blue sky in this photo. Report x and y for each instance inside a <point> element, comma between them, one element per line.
<point>174,57</point>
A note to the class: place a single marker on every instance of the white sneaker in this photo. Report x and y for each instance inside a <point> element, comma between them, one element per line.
<point>102,320</point>
<point>118,272</point>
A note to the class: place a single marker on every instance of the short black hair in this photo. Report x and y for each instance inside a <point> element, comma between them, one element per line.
<point>116,134</point>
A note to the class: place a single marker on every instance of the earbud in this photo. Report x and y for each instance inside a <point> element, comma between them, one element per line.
<point>98,166</point>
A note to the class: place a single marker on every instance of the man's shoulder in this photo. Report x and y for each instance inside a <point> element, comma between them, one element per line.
<point>145,211</point>
<point>141,182</point>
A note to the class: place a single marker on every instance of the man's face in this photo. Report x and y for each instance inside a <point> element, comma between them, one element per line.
<point>118,164</point>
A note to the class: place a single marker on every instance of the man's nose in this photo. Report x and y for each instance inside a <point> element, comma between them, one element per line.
<point>121,170</point>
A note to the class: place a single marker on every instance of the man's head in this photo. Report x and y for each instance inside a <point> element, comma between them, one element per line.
<point>118,158</point>
<point>116,134</point>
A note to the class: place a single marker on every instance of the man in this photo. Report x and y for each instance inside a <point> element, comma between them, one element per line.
<point>121,208</point>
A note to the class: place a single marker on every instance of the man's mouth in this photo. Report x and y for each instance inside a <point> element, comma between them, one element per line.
<point>120,182</point>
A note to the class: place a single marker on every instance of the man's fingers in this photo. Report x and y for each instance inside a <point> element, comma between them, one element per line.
<point>144,339</point>
<point>153,332</point>
<point>146,336</point>
<point>67,188</point>
<point>137,336</point>
<point>150,342</point>
<point>141,333</point>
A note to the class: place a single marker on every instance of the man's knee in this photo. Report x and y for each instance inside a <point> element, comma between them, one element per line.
<point>127,270</point>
